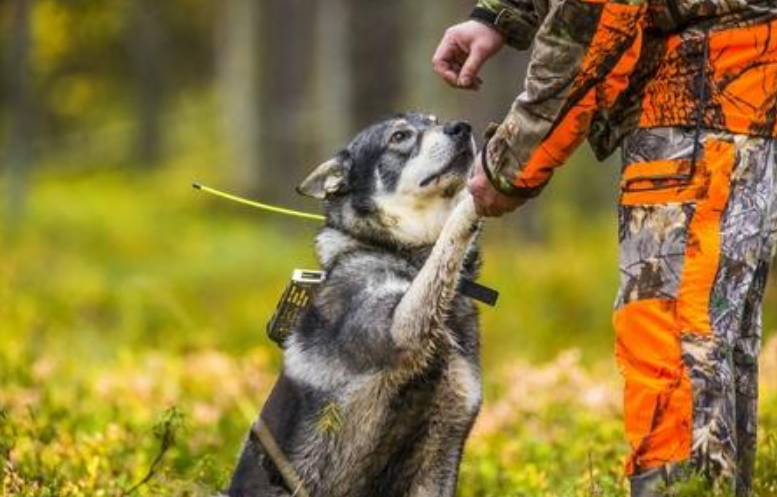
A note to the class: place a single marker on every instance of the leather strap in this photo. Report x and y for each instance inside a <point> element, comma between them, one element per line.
<point>479,292</point>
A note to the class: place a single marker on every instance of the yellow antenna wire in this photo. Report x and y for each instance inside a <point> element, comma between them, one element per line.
<point>259,205</point>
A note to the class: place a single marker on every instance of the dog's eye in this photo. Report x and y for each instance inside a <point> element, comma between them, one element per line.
<point>400,136</point>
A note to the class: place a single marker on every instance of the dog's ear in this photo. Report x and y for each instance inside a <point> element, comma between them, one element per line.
<point>326,180</point>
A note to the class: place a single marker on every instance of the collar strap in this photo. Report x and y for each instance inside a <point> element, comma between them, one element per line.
<point>479,292</point>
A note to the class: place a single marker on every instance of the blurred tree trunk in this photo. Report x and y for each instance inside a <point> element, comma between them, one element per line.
<point>423,30</point>
<point>146,50</point>
<point>17,82</point>
<point>333,77</point>
<point>375,53</point>
<point>238,57</point>
<point>288,144</point>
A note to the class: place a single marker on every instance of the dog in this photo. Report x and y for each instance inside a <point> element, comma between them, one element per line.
<point>381,380</point>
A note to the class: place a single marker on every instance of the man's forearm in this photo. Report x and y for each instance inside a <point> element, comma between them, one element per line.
<point>583,56</point>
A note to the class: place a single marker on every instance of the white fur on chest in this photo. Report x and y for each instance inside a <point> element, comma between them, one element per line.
<point>411,220</point>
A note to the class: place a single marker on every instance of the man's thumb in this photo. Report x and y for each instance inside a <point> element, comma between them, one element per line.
<point>471,67</point>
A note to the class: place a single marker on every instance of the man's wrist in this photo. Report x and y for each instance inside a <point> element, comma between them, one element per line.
<point>505,20</point>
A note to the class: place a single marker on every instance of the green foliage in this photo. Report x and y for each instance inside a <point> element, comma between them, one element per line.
<point>766,465</point>
<point>133,353</point>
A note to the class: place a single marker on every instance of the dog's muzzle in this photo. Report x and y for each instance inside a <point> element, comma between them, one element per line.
<point>460,132</point>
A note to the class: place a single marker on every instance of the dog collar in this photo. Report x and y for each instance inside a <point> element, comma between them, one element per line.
<point>479,292</point>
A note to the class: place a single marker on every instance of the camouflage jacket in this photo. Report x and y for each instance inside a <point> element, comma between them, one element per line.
<point>601,68</point>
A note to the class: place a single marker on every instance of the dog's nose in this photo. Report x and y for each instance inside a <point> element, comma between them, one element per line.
<point>457,128</point>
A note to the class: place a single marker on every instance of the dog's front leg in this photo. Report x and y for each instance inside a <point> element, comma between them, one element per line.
<point>423,308</point>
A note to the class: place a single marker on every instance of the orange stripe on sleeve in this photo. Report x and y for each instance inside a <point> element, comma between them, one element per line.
<point>617,21</point>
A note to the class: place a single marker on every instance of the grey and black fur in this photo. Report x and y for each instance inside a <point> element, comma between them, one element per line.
<point>381,382</point>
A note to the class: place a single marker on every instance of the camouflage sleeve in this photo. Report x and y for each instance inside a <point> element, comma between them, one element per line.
<point>516,20</point>
<point>583,55</point>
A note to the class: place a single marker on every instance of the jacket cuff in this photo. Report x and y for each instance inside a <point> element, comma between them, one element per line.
<point>503,184</point>
<point>516,26</point>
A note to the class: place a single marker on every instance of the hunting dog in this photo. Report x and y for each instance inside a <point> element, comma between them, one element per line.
<point>381,381</point>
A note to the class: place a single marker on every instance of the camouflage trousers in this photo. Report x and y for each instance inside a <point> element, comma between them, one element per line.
<point>697,223</point>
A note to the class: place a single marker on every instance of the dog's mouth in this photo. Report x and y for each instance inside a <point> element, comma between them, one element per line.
<point>460,163</point>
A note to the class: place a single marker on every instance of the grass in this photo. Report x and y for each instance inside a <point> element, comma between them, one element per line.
<point>133,353</point>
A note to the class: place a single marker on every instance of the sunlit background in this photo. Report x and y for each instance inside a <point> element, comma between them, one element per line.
<point>132,307</point>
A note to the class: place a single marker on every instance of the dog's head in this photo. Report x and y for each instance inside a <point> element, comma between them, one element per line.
<point>397,181</point>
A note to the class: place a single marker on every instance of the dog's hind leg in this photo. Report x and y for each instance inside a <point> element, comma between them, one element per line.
<point>260,470</point>
<point>423,308</point>
<point>439,457</point>
<point>251,478</point>
<point>437,474</point>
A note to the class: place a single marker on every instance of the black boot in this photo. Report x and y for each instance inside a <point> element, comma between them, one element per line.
<point>647,483</point>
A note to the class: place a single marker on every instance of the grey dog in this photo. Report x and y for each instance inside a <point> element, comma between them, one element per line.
<point>381,381</point>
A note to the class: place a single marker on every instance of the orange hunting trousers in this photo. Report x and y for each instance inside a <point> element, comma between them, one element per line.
<point>696,241</point>
<point>697,222</point>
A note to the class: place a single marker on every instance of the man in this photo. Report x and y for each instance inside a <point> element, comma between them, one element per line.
<point>688,90</point>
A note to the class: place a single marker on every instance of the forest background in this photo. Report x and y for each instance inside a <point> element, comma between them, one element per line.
<point>132,308</point>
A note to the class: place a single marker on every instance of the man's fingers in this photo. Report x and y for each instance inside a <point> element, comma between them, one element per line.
<point>487,210</point>
<point>475,86</point>
<point>445,61</point>
<point>449,76</point>
<point>476,82</point>
<point>489,202</point>
<point>449,61</point>
<point>468,77</point>
<point>477,188</point>
<point>481,211</point>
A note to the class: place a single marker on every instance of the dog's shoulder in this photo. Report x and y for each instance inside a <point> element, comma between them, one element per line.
<point>349,321</point>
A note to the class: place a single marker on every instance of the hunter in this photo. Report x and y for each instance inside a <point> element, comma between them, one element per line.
<point>688,90</point>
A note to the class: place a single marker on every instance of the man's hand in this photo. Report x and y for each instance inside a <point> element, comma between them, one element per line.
<point>489,201</point>
<point>463,50</point>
